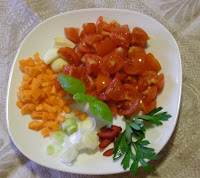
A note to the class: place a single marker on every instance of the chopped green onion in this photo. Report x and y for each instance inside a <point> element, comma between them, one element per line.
<point>50,149</point>
<point>70,126</point>
<point>58,137</point>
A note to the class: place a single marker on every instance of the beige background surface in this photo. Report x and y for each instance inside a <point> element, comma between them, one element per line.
<point>181,156</point>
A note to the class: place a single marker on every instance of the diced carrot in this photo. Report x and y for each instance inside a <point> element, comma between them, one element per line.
<point>45,132</point>
<point>45,84</point>
<point>47,107</point>
<point>35,125</point>
<point>60,118</point>
<point>49,71</point>
<point>67,109</point>
<point>36,92</point>
<point>54,126</point>
<point>47,91</point>
<point>77,112</point>
<point>52,100</point>
<point>37,57</point>
<point>31,107</point>
<point>37,114</point>
<point>30,62</point>
<point>61,102</point>
<point>25,96</point>
<point>19,104</point>
<point>39,107</point>
<point>31,71</point>
<point>51,116</point>
<point>36,83</point>
<point>35,101</point>
<point>25,109</point>
<point>48,124</point>
<point>22,64</point>
<point>69,101</point>
<point>82,116</point>
<point>53,90</point>
<point>24,86</point>
<point>62,93</point>
<point>59,110</point>
<point>45,116</point>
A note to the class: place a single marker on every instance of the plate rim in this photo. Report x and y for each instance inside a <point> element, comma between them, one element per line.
<point>94,9</point>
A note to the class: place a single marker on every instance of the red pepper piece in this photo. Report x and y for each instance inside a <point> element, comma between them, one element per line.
<point>108,152</point>
<point>104,143</point>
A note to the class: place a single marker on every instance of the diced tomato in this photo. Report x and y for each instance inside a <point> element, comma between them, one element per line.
<point>139,37</point>
<point>102,82</point>
<point>102,96</point>
<point>132,80</point>
<point>89,28</point>
<point>150,93</point>
<point>148,78</point>
<point>79,55</point>
<point>69,55</point>
<point>89,82</point>
<point>128,107</point>
<point>113,61</point>
<point>115,90</point>
<point>77,72</point>
<point>121,75</point>
<point>113,107</point>
<point>92,63</point>
<point>92,39</point>
<point>121,36</point>
<point>133,50</point>
<point>101,25</point>
<point>147,107</point>
<point>160,81</point>
<point>153,63</point>
<point>72,34</point>
<point>136,65</point>
<point>130,92</point>
<point>84,48</point>
<point>82,34</point>
<point>105,47</point>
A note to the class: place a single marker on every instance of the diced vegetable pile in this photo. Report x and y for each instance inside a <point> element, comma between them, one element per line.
<point>107,67</point>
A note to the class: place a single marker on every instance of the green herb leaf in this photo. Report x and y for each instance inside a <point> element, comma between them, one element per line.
<point>82,98</point>
<point>71,85</point>
<point>121,146</point>
<point>124,143</point>
<point>100,109</point>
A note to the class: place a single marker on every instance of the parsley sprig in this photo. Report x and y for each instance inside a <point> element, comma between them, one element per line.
<point>124,145</point>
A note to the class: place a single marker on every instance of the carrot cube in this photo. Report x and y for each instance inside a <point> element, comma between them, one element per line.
<point>77,112</point>
<point>67,109</point>
<point>37,57</point>
<point>25,109</point>
<point>47,91</point>
<point>82,116</point>
<point>31,71</point>
<point>60,118</point>
<point>53,90</point>
<point>19,104</point>
<point>37,114</point>
<point>45,116</point>
<point>54,126</point>
<point>31,107</point>
<point>35,125</point>
<point>47,107</point>
<point>39,107</point>
<point>61,102</point>
<point>62,94</point>
<point>45,132</point>
<point>36,92</point>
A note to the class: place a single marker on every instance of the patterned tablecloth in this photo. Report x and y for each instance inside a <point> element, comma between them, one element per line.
<point>181,156</point>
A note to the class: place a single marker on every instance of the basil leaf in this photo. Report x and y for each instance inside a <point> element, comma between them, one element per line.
<point>101,110</point>
<point>71,85</point>
<point>82,98</point>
